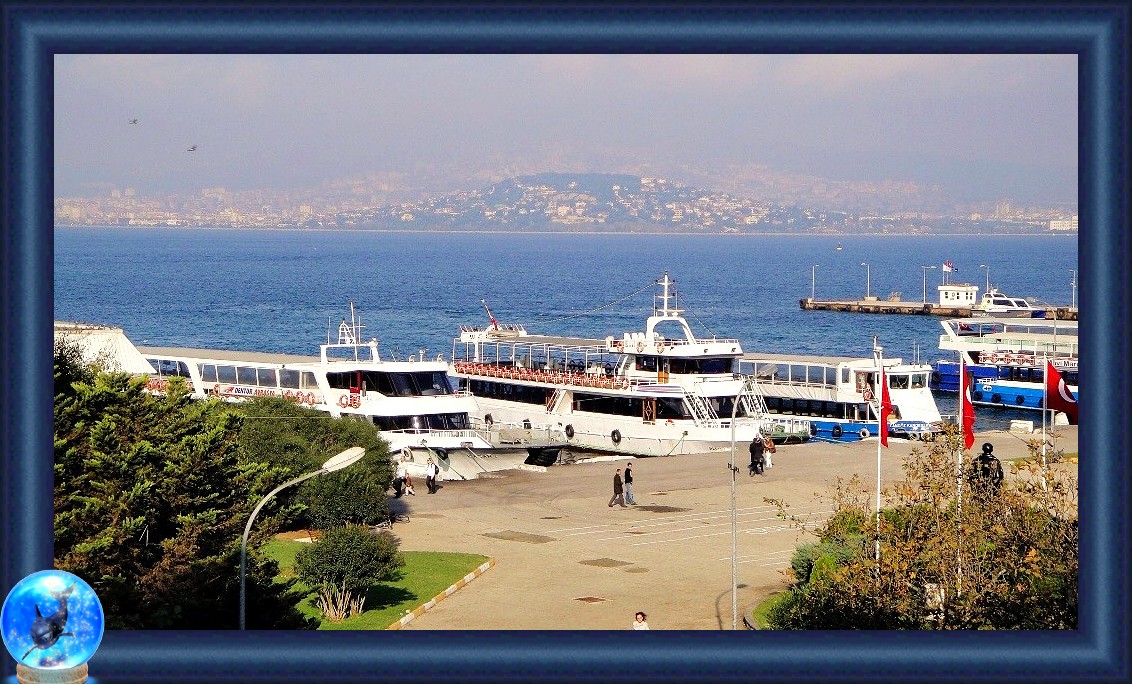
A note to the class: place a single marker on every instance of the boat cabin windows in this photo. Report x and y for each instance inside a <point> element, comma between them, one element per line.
<point>860,411</point>
<point>646,363</point>
<point>438,421</point>
<point>509,392</point>
<point>702,366</point>
<point>899,381</point>
<point>167,368</point>
<point>666,408</point>
<point>266,377</point>
<point>293,379</point>
<point>226,374</point>
<point>423,383</point>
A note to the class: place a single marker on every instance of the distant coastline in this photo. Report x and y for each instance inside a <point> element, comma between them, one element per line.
<point>404,231</point>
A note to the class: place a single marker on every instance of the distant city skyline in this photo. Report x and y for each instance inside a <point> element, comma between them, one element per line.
<point>977,128</point>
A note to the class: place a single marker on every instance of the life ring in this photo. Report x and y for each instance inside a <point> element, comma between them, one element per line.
<point>569,432</point>
<point>615,436</point>
<point>996,398</point>
<point>355,400</point>
<point>867,394</point>
<point>343,400</point>
<point>216,390</point>
<point>640,346</point>
<point>837,431</point>
<point>1020,400</point>
<point>488,420</point>
<point>864,433</point>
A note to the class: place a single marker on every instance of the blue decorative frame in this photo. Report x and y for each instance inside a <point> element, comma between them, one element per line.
<point>1097,32</point>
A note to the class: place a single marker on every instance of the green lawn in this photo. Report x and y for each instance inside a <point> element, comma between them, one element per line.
<point>425,575</point>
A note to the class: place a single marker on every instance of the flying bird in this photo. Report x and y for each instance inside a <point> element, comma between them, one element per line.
<point>133,121</point>
<point>192,149</point>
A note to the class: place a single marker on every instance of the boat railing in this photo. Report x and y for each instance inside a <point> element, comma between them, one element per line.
<point>459,434</point>
<point>1024,345</point>
<point>553,377</point>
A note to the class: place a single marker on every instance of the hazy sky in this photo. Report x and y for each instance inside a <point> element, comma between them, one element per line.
<point>982,126</point>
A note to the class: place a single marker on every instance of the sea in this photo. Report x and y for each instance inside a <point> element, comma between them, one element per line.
<point>286,290</point>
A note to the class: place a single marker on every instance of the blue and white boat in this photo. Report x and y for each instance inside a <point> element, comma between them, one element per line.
<point>1007,358</point>
<point>839,395</point>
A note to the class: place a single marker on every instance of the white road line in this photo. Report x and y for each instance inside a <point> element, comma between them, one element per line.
<point>670,523</point>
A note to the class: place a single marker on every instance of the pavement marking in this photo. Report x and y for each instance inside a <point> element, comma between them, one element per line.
<point>431,603</point>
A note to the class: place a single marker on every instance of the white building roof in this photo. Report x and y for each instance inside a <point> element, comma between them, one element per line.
<point>104,345</point>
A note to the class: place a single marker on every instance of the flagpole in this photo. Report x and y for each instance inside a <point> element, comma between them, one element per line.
<point>1045,407</point>
<point>878,355</point>
<point>959,479</point>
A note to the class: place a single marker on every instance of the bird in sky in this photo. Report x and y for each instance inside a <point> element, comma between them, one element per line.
<point>133,121</point>
<point>193,148</point>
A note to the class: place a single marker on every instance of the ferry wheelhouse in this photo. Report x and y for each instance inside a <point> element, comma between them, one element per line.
<point>656,392</point>
<point>839,396</point>
<point>413,402</point>
<point>1007,358</point>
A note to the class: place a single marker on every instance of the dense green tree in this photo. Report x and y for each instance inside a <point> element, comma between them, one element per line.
<point>150,503</point>
<point>956,552</point>
<point>351,555</point>
<point>298,440</point>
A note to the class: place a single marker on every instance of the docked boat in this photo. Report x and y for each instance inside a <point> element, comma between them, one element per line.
<point>656,392</point>
<point>1007,358</point>
<point>838,395</point>
<point>413,401</point>
<point>995,304</point>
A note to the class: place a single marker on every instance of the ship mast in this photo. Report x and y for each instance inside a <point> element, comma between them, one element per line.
<point>664,310</point>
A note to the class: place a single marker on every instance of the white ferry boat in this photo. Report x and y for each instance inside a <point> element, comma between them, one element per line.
<point>1007,358</point>
<point>413,402</point>
<point>658,392</point>
<point>997,305</point>
<point>839,396</point>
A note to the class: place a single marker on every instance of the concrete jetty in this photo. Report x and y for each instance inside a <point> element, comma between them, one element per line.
<point>879,306</point>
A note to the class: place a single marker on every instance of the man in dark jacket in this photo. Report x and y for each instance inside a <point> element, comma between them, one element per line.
<point>618,491</point>
<point>629,485</point>
<point>757,460</point>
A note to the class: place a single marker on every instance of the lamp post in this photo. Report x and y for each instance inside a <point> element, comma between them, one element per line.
<point>988,275</point>
<point>926,269</point>
<point>1073,284</point>
<point>342,460</point>
<point>734,537</point>
<point>868,280</point>
<point>813,280</point>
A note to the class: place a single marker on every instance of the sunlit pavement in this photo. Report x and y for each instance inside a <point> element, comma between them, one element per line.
<point>565,560</point>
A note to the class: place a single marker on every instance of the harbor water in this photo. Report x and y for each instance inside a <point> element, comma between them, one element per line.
<point>279,291</point>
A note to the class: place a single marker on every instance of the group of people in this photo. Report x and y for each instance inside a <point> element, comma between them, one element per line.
<point>762,446</point>
<point>403,482</point>
<point>623,488</point>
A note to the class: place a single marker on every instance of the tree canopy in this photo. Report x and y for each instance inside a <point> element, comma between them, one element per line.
<point>152,494</point>
<point>956,552</point>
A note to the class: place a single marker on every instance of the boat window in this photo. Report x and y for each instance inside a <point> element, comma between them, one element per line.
<point>646,363</point>
<point>208,372</point>
<point>402,384</point>
<point>289,378</point>
<point>245,375</point>
<point>673,408</point>
<point>266,377</point>
<point>919,380</point>
<point>431,383</point>
<point>226,373</point>
<point>845,376</point>
<point>898,381</point>
<point>339,380</point>
<point>308,381</point>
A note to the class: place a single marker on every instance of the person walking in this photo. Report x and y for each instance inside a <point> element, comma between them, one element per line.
<point>768,449</point>
<point>756,450</point>
<point>629,485</point>
<point>618,491</point>
<point>640,620</point>
<point>431,471</point>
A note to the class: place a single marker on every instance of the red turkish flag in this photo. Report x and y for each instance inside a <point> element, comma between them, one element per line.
<point>885,409</point>
<point>1058,396</point>
<point>966,407</point>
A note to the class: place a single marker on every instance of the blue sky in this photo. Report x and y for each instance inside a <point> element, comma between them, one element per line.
<point>982,127</point>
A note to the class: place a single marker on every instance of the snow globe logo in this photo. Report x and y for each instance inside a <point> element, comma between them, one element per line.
<point>52,624</point>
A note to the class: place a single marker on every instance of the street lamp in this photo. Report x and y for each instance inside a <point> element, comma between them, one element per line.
<point>342,460</point>
<point>813,280</point>
<point>988,275</point>
<point>734,537</point>
<point>868,280</point>
<point>1073,284</point>
<point>926,269</point>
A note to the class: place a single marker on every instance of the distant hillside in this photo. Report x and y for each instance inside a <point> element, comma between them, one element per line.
<point>577,201</point>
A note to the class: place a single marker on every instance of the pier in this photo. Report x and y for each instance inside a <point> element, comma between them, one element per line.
<point>877,306</point>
